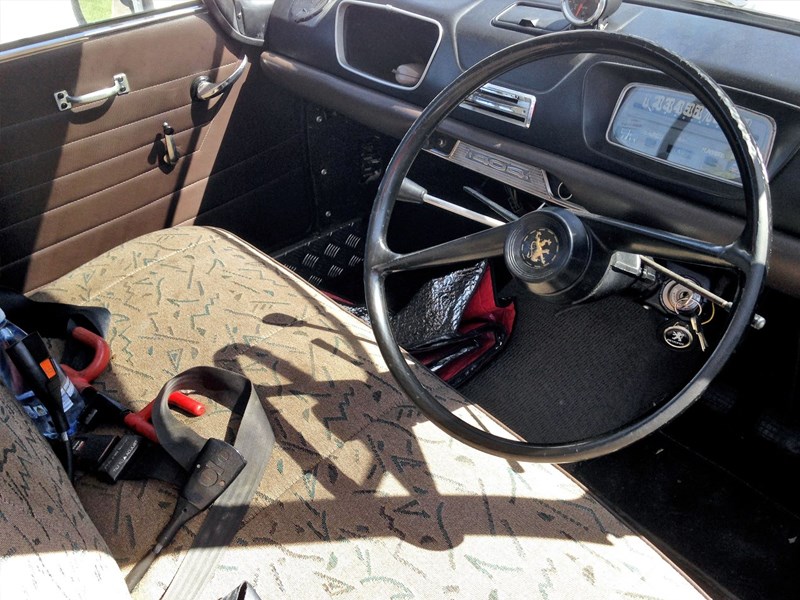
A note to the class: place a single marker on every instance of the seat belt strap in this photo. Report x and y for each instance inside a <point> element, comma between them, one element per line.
<point>254,441</point>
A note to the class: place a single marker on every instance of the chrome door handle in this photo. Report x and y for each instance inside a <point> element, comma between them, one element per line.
<point>204,89</point>
<point>120,87</point>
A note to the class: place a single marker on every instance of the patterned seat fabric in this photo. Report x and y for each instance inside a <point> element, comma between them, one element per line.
<point>362,498</point>
<point>49,547</point>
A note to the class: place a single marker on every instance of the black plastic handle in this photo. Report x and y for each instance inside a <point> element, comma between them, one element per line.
<point>41,374</point>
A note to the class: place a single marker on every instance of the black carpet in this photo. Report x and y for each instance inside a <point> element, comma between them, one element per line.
<point>732,538</point>
<point>577,371</point>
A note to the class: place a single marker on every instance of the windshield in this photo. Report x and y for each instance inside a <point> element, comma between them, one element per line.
<point>788,9</point>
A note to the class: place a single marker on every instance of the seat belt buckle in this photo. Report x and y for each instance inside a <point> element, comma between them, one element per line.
<point>106,456</point>
<point>216,467</point>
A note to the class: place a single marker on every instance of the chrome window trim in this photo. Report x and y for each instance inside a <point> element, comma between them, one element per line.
<point>90,32</point>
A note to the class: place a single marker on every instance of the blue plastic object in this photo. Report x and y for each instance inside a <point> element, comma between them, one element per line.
<point>9,376</point>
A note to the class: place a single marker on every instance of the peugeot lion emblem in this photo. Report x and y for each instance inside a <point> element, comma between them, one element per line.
<point>540,248</point>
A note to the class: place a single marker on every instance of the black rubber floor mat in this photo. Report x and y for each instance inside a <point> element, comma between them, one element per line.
<point>332,261</point>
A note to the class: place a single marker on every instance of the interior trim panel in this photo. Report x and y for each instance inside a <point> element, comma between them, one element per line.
<point>77,183</point>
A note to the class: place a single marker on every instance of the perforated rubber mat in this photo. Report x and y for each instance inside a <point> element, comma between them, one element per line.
<point>332,261</point>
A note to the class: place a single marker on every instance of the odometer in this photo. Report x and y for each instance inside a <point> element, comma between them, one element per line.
<point>675,128</point>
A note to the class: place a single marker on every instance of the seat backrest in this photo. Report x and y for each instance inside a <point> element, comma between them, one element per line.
<point>49,548</point>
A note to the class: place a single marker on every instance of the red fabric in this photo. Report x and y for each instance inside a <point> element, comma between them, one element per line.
<point>482,308</point>
<point>449,371</point>
<point>338,299</point>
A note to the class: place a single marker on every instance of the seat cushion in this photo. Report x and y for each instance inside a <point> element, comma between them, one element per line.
<point>49,547</point>
<point>362,497</point>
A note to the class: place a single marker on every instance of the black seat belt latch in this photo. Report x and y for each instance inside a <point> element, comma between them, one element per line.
<point>106,456</point>
<point>216,467</point>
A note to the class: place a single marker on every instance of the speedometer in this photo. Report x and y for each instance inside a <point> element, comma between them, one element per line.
<point>673,127</point>
<point>587,13</point>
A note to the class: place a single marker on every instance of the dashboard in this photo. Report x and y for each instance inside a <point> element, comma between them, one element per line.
<point>611,135</point>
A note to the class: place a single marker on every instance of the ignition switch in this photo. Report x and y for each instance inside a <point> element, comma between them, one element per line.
<point>678,299</point>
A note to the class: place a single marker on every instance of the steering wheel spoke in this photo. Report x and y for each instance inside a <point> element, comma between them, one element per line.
<point>483,244</point>
<point>657,243</point>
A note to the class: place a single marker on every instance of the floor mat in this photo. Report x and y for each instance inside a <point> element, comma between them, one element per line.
<point>730,537</point>
<point>577,371</point>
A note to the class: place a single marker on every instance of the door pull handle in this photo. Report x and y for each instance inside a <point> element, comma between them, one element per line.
<point>204,89</point>
<point>65,101</point>
<point>171,153</point>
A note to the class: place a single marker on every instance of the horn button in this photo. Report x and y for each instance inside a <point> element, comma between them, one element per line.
<point>550,250</point>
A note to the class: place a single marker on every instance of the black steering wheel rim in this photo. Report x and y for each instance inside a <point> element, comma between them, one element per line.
<point>749,252</point>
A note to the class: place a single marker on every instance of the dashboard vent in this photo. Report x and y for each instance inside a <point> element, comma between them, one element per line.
<point>502,103</point>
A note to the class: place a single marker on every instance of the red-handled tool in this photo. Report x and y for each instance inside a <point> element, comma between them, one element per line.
<point>103,405</point>
<point>140,422</point>
<point>102,355</point>
<point>106,408</point>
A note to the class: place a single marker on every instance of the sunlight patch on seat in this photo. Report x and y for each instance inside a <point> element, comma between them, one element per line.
<point>356,470</point>
<point>391,486</point>
<point>452,464</point>
<point>61,573</point>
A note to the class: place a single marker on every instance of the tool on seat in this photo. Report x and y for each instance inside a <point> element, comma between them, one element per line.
<point>129,456</point>
<point>102,355</point>
<point>10,335</point>
<point>104,408</point>
<point>213,472</point>
<point>54,319</point>
<point>101,407</point>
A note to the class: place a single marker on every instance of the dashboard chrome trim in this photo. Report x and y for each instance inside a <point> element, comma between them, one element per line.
<point>516,174</point>
<point>521,176</point>
<point>502,103</point>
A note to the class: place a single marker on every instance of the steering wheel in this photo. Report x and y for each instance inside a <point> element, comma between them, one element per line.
<point>579,232</point>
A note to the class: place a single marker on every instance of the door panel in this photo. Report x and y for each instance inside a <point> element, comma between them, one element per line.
<point>76,183</point>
